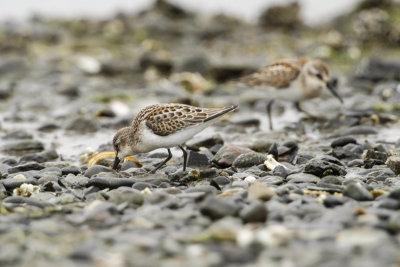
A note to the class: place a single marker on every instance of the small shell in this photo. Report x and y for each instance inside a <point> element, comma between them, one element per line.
<point>108,154</point>
<point>26,190</point>
<point>271,163</point>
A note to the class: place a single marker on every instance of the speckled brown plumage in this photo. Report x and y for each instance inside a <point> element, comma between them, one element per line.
<point>278,75</point>
<point>164,119</point>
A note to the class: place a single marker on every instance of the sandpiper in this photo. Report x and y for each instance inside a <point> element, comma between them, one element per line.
<point>164,126</point>
<point>290,80</point>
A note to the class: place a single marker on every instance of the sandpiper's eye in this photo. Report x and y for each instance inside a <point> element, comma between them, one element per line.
<point>116,147</point>
<point>319,76</point>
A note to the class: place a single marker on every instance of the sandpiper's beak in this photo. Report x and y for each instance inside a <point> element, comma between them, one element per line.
<point>116,162</point>
<point>332,85</point>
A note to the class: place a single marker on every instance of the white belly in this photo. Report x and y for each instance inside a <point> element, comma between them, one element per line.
<point>291,93</point>
<point>150,141</point>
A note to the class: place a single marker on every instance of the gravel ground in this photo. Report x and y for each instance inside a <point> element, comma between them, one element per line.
<point>67,85</point>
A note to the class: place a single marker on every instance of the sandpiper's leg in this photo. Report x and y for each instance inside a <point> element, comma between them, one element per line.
<point>162,163</point>
<point>269,105</point>
<point>184,157</point>
<point>300,109</point>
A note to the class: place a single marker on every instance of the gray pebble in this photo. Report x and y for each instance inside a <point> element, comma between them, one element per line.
<point>25,167</point>
<point>358,192</point>
<point>342,141</point>
<point>199,159</point>
<point>96,169</point>
<point>248,160</point>
<point>22,146</point>
<point>228,153</point>
<point>302,178</point>
<point>256,211</point>
<point>76,180</point>
<point>361,130</point>
<point>322,168</point>
<point>71,170</point>
<point>217,208</point>
<point>107,182</point>
<point>11,183</point>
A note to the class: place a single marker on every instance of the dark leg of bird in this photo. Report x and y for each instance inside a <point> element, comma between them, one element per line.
<point>184,157</point>
<point>300,109</point>
<point>162,163</point>
<point>269,105</point>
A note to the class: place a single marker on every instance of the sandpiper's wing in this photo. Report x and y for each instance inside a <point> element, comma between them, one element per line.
<point>165,119</point>
<point>279,74</point>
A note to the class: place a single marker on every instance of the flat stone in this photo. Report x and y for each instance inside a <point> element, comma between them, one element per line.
<point>199,159</point>
<point>248,160</point>
<point>25,167</point>
<point>96,169</point>
<point>342,141</point>
<point>76,180</point>
<point>106,182</point>
<point>23,146</point>
<point>228,153</point>
<point>217,208</point>
<point>322,168</point>
<point>256,211</point>
<point>71,170</point>
<point>208,142</point>
<point>303,178</point>
<point>358,192</point>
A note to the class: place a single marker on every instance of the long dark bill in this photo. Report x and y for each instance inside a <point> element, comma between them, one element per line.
<point>116,162</point>
<point>332,85</point>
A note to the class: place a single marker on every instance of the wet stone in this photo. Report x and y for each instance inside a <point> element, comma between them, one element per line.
<point>248,160</point>
<point>222,180</point>
<point>393,162</point>
<point>303,178</point>
<point>271,180</point>
<point>106,182</point>
<point>228,153</point>
<point>129,164</point>
<point>208,142</point>
<point>22,146</point>
<point>3,170</point>
<point>96,169</point>
<point>322,168</point>
<point>358,192</point>
<point>342,141</point>
<point>71,170</point>
<point>25,167</point>
<point>199,159</point>
<point>76,180</point>
<point>256,211</point>
<point>217,208</point>
<point>261,145</point>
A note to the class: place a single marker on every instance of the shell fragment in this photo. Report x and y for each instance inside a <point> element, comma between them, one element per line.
<point>108,154</point>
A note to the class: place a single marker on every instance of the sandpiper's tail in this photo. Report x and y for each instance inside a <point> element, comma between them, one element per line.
<point>221,111</point>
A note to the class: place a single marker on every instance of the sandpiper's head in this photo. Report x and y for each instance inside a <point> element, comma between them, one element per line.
<point>122,145</point>
<point>317,77</point>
